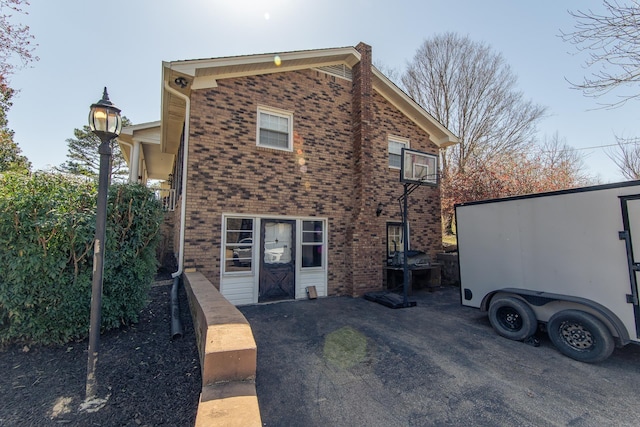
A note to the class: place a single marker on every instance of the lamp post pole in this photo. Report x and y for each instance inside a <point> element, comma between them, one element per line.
<point>105,122</point>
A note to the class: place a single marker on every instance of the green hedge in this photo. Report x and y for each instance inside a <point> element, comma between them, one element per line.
<point>47,226</point>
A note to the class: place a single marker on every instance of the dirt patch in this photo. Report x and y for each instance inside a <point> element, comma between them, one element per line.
<point>144,377</point>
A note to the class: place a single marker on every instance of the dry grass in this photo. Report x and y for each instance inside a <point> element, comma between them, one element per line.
<point>449,240</point>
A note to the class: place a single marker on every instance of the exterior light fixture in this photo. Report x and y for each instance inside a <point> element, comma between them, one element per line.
<point>104,119</point>
<point>106,123</point>
<point>379,209</point>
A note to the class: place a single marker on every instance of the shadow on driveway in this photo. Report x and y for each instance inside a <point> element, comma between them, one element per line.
<point>343,361</point>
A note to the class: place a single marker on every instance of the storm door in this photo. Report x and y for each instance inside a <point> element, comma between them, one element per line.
<point>631,234</point>
<point>277,260</point>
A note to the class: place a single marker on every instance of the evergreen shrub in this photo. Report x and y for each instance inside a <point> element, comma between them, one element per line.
<point>47,227</point>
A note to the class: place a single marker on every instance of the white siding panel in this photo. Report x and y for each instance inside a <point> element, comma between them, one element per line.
<point>317,278</point>
<point>238,290</point>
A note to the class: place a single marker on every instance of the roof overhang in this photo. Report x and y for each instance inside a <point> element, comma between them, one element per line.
<point>157,164</point>
<point>185,76</point>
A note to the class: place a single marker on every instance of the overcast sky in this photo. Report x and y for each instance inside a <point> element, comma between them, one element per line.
<point>86,45</point>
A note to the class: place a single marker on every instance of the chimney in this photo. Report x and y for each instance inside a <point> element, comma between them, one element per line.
<point>362,117</point>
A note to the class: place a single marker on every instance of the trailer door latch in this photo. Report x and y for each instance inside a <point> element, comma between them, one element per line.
<point>631,299</point>
<point>636,266</point>
<point>623,235</point>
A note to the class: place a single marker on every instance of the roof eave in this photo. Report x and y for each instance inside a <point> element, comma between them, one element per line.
<point>439,134</point>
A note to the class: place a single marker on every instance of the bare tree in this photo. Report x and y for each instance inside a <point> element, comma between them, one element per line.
<point>15,39</point>
<point>626,156</point>
<point>560,165</point>
<point>612,40</point>
<point>471,90</point>
<point>391,73</point>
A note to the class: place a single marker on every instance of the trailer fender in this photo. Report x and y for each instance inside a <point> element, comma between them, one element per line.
<point>539,299</point>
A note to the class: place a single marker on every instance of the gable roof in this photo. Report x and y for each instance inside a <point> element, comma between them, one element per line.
<point>160,140</point>
<point>188,75</point>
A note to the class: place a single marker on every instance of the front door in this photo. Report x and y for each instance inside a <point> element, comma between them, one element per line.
<point>277,260</point>
<point>631,234</point>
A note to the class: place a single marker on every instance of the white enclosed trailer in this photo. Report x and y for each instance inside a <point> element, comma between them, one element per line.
<point>561,260</point>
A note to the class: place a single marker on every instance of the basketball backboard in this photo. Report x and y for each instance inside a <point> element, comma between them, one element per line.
<point>418,168</point>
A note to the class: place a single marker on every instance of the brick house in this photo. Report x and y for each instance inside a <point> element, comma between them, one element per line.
<point>286,170</point>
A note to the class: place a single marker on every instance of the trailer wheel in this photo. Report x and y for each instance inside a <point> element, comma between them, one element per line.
<point>512,318</point>
<point>580,336</point>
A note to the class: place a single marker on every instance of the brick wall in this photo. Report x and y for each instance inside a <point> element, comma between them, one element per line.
<point>229,173</point>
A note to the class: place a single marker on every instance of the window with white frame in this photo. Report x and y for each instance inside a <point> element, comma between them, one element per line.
<point>395,243</point>
<point>239,241</point>
<point>396,144</point>
<point>275,129</point>
<point>312,243</point>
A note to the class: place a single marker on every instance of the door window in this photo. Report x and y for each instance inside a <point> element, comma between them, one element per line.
<point>277,243</point>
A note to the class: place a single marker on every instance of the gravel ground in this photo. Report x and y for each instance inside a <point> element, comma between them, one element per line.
<point>146,378</point>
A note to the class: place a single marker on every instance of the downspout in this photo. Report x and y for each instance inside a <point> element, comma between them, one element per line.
<point>176,325</point>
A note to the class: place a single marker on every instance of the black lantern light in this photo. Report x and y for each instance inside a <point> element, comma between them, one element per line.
<point>104,118</point>
<point>105,122</point>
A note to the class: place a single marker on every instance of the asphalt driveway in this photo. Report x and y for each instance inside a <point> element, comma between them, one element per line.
<point>350,362</point>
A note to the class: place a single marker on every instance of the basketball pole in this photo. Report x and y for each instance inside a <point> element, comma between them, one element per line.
<point>405,258</point>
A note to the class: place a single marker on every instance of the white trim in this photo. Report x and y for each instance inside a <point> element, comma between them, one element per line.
<point>278,113</point>
<point>323,243</point>
<point>223,254</point>
<point>233,283</point>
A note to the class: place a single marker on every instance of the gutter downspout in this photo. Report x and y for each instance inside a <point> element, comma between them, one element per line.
<point>176,325</point>
<point>185,155</point>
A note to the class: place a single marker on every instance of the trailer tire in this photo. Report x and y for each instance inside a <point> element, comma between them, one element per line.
<point>512,318</point>
<point>580,336</point>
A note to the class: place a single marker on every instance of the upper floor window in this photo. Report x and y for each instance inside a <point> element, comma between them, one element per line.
<point>275,129</point>
<point>396,144</point>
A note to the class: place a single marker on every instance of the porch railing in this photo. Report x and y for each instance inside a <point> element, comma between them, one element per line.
<point>167,197</point>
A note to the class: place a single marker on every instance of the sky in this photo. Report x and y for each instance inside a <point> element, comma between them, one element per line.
<point>84,45</point>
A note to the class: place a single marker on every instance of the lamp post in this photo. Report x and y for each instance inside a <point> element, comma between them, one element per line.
<point>105,122</point>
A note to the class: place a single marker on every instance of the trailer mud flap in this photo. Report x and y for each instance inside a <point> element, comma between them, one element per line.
<point>631,235</point>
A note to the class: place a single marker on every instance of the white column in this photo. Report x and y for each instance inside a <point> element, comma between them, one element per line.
<point>135,162</point>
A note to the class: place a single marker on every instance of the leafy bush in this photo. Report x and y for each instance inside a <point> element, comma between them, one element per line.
<point>47,225</point>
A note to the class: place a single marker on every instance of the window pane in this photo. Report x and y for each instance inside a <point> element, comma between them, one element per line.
<point>277,243</point>
<point>312,255</point>
<point>312,225</point>
<point>312,247</point>
<point>396,147</point>
<point>312,232</point>
<point>395,160</point>
<point>239,244</point>
<point>274,130</point>
<point>394,238</point>
<point>274,139</point>
<point>276,123</point>
<point>395,151</point>
<point>240,259</point>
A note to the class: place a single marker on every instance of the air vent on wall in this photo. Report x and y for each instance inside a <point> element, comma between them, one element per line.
<point>339,70</point>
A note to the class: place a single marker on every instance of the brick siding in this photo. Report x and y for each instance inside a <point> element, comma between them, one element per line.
<point>342,145</point>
